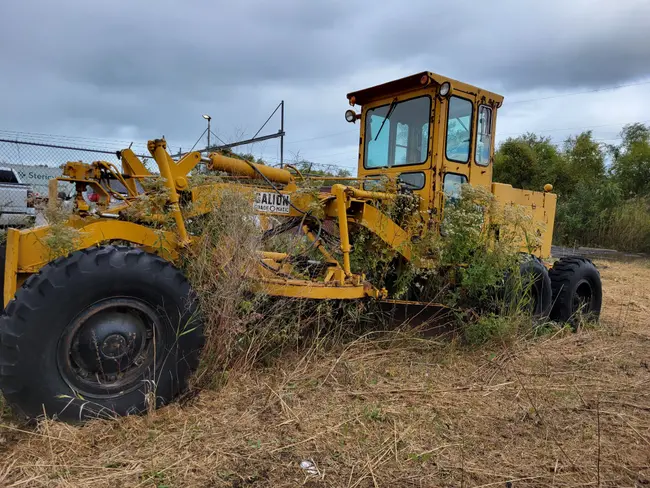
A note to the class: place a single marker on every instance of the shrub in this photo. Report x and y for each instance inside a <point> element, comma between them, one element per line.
<point>627,227</point>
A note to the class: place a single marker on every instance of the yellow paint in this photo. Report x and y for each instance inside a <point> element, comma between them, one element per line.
<point>11,265</point>
<point>347,206</point>
<point>235,166</point>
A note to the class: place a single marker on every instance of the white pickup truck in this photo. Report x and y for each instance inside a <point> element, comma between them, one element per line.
<point>16,200</point>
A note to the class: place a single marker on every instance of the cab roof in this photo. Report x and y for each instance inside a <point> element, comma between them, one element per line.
<point>417,81</point>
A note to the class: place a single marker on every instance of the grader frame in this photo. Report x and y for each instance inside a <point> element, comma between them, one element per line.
<point>345,204</point>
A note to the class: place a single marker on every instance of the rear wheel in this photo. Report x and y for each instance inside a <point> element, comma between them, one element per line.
<point>531,290</point>
<point>577,290</point>
<point>104,332</point>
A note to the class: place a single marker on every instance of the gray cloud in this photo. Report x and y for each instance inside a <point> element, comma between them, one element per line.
<point>141,69</point>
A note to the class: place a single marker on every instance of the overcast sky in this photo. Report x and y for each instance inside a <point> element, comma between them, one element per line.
<point>136,70</point>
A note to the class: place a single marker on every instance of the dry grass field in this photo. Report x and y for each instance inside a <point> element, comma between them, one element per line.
<point>387,410</point>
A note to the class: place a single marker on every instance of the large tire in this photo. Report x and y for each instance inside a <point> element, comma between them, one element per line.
<point>531,290</point>
<point>104,332</point>
<point>577,290</point>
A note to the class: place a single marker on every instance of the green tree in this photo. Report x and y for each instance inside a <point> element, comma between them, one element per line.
<point>529,161</point>
<point>585,158</point>
<point>631,161</point>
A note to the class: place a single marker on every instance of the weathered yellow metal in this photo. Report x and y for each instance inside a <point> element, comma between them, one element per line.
<point>321,291</point>
<point>11,265</point>
<point>382,225</point>
<point>158,150</point>
<point>339,191</point>
<point>539,205</point>
<point>219,162</point>
<point>274,193</point>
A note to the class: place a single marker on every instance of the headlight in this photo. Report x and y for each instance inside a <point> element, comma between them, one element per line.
<point>351,116</point>
<point>445,88</point>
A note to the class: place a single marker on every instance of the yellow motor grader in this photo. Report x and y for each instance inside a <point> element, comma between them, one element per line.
<point>109,327</point>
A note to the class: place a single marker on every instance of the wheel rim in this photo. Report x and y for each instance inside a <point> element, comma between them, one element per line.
<point>582,301</point>
<point>107,348</point>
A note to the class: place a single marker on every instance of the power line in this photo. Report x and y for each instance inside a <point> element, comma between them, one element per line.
<point>616,87</point>
<point>321,137</point>
<point>576,128</point>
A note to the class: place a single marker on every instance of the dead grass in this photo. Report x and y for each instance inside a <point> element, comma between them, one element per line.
<point>389,409</point>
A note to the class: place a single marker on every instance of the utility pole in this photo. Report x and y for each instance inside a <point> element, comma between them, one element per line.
<point>208,118</point>
<point>282,136</point>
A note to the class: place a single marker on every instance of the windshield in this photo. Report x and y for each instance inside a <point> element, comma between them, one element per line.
<point>397,134</point>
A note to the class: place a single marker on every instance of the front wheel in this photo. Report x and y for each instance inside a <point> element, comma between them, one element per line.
<point>577,290</point>
<point>106,331</point>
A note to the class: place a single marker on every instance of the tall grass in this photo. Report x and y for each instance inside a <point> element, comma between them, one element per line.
<point>627,227</point>
<point>245,326</point>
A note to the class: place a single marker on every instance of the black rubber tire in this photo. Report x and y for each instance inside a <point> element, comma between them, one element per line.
<point>33,325</point>
<point>533,279</point>
<point>570,278</point>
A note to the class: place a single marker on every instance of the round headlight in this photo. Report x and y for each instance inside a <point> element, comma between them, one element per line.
<point>445,88</point>
<point>350,116</point>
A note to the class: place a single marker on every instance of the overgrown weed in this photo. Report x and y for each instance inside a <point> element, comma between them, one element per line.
<point>62,238</point>
<point>244,326</point>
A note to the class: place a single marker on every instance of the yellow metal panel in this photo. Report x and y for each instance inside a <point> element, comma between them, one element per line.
<point>539,205</point>
<point>33,252</point>
<point>131,165</point>
<point>550,203</point>
<point>309,289</point>
<point>11,266</point>
<point>186,164</point>
<point>391,233</point>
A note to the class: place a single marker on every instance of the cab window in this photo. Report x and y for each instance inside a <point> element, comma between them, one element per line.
<point>459,122</point>
<point>483,136</point>
<point>452,186</point>
<point>397,134</point>
<point>412,181</point>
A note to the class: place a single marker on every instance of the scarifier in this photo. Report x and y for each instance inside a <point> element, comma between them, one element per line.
<point>114,329</point>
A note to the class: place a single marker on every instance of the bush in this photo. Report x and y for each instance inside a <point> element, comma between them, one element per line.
<point>243,325</point>
<point>491,328</point>
<point>627,227</point>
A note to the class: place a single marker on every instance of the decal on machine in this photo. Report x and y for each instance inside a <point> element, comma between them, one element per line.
<point>271,202</point>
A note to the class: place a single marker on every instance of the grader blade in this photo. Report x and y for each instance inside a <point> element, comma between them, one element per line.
<point>431,319</point>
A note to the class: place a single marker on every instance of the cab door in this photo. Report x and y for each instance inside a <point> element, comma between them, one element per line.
<point>483,148</point>
<point>456,146</point>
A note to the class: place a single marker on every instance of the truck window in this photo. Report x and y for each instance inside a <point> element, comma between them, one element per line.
<point>397,134</point>
<point>459,122</point>
<point>483,136</point>
<point>7,176</point>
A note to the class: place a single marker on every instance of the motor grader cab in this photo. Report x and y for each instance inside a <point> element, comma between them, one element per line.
<point>110,328</point>
<point>434,134</point>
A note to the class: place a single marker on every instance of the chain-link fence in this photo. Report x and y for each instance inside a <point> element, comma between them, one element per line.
<point>27,164</point>
<point>26,168</point>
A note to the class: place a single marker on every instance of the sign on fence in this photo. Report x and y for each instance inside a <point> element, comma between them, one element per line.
<point>38,176</point>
